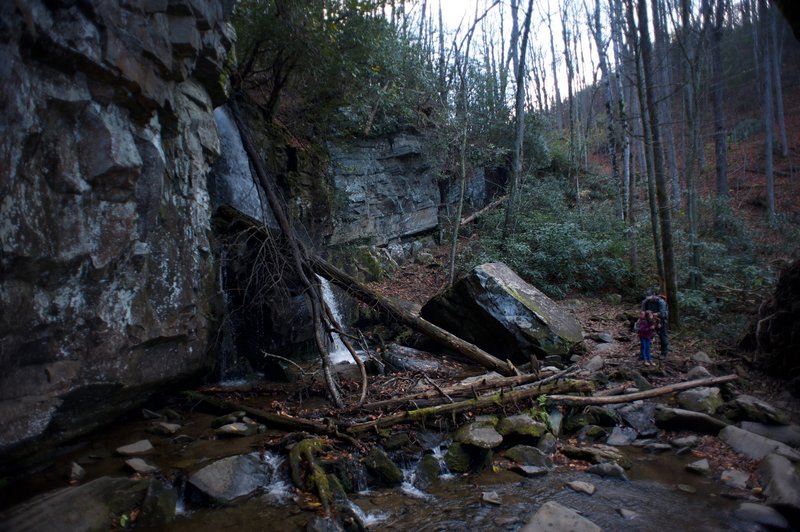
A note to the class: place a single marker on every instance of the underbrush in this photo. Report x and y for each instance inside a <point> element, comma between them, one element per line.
<point>567,242</point>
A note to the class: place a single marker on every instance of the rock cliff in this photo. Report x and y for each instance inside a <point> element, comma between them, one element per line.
<point>106,141</point>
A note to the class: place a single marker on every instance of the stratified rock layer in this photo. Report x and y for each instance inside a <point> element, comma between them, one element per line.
<point>106,271</point>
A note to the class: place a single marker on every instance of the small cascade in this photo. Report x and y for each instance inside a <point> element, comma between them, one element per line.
<point>278,489</point>
<point>367,519</point>
<point>180,503</point>
<point>438,453</point>
<point>337,351</point>
<point>409,478</point>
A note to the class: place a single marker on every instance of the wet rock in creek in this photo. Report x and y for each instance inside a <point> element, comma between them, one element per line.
<point>753,409</point>
<point>582,487</point>
<point>382,468</point>
<point>237,429</point>
<point>427,471</point>
<point>478,434</point>
<point>136,448</point>
<point>527,455</point>
<point>680,419</point>
<point>553,516</point>
<point>754,446</point>
<point>140,466</point>
<point>703,399</point>
<point>788,434</point>
<point>701,467</point>
<point>762,515</point>
<point>521,425</point>
<point>231,477</point>
<point>608,469</point>
<point>596,454</point>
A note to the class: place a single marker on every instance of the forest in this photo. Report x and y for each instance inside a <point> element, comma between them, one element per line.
<point>638,143</point>
<point>408,264</point>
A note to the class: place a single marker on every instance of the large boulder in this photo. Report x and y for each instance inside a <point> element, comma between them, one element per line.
<point>557,518</point>
<point>232,477</point>
<point>496,310</point>
<point>93,506</point>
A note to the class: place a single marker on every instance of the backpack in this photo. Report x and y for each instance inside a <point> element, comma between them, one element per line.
<point>652,304</point>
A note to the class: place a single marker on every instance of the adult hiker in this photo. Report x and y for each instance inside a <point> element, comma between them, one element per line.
<point>657,304</point>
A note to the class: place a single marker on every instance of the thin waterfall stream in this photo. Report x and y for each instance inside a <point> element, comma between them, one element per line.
<point>338,353</point>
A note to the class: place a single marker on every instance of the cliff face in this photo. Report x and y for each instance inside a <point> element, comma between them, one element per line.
<point>110,174</point>
<point>107,137</point>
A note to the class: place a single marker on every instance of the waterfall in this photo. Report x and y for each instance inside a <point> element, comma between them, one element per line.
<point>232,182</point>
<point>227,330</point>
<point>337,351</point>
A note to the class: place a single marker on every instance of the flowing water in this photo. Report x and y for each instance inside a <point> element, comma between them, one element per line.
<point>660,491</point>
<point>338,353</point>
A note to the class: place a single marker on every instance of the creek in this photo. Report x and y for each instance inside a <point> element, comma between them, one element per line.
<point>661,492</point>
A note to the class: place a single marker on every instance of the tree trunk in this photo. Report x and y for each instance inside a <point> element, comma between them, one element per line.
<point>647,148</point>
<point>557,96</point>
<point>611,133</point>
<point>516,172</point>
<point>764,16</point>
<point>776,81</point>
<point>720,133</point>
<point>638,396</point>
<point>499,398</point>
<point>406,317</point>
<point>665,217</point>
<point>312,290</point>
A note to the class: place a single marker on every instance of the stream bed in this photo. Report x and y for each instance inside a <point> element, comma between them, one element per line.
<point>659,495</point>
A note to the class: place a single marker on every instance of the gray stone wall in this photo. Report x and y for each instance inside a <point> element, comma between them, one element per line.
<point>106,141</point>
<point>386,190</point>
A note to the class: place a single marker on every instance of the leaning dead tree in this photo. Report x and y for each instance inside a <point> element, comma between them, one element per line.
<point>410,319</point>
<point>323,319</point>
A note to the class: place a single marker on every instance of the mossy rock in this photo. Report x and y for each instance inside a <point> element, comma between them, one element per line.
<point>527,455</point>
<point>521,425</point>
<point>396,440</point>
<point>592,433</point>
<point>548,443</point>
<point>458,458</point>
<point>385,471</point>
<point>605,417</point>
<point>427,471</point>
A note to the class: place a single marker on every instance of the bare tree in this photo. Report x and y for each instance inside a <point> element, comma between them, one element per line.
<point>777,84</point>
<point>646,147</point>
<point>554,65</point>
<point>602,47</point>
<point>766,52</point>
<point>720,133</point>
<point>518,53</point>
<point>665,218</point>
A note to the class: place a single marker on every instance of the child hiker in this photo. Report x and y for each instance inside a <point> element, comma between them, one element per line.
<point>647,326</point>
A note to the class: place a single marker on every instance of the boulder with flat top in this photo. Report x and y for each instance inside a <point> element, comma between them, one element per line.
<point>493,308</point>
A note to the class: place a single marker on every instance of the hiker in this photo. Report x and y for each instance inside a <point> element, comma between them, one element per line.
<point>657,304</point>
<point>646,327</point>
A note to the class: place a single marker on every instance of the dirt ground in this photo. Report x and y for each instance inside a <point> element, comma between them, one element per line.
<point>417,283</point>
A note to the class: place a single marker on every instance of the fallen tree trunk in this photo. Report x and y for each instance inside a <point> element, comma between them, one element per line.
<point>627,398</point>
<point>408,318</point>
<point>319,313</point>
<point>477,214</point>
<point>499,398</point>
<point>278,420</point>
<point>460,390</point>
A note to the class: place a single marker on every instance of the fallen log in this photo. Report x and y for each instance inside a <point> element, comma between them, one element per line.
<point>575,400</point>
<point>477,214</point>
<point>278,420</point>
<point>408,318</point>
<point>499,398</point>
<point>459,390</point>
